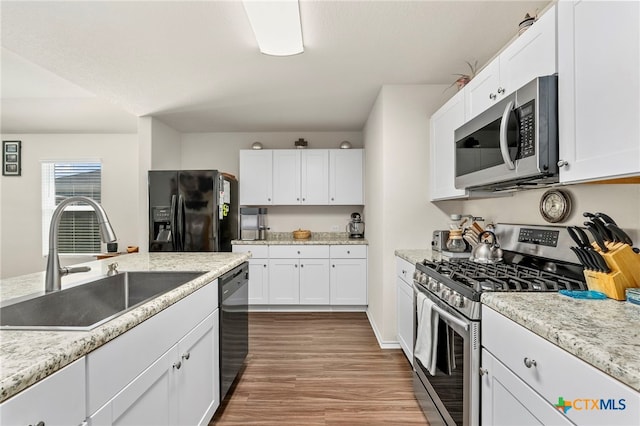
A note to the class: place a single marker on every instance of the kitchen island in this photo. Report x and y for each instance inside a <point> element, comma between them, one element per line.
<point>29,356</point>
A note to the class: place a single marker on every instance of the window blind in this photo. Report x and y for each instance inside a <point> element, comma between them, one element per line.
<point>79,231</point>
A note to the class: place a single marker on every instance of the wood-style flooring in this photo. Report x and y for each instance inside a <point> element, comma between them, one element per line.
<point>319,369</point>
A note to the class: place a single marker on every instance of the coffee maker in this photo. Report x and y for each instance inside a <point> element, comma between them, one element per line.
<point>253,223</point>
<point>355,228</point>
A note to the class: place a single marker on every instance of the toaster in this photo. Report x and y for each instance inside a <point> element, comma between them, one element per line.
<point>439,240</point>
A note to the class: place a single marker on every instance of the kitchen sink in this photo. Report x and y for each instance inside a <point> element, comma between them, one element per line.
<point>89,305</point>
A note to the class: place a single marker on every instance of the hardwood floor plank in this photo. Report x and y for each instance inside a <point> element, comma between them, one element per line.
<point>319,369</point>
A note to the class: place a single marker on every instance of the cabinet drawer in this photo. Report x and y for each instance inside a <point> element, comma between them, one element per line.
<point>299,252</point>
<point>349,251</point>
<point>258,251</point>
<point>557,373</point>
<point>405,270</point>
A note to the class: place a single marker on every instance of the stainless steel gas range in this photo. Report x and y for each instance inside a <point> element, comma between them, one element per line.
<point>447,313</point>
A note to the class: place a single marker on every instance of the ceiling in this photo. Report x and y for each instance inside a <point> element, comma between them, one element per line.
<point>90,66</point>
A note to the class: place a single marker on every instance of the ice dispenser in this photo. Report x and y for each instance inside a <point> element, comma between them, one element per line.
<point>253,223</point>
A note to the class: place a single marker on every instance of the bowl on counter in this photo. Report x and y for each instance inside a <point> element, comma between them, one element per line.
<point>301,234</point>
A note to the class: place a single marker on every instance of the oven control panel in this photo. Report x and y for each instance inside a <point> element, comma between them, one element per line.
<point>543,237</point>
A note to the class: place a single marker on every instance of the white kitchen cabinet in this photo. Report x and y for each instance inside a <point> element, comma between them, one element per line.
<point>300,176</point>
<point>346,176</point>
<point>258,272</point>
<point>59,399</point>
<point>298,274</point>
<point>348,275</point>
<point>531,55</point>
<point>255,181</point>
<point>598,89</point>
<point>180,388</point>
<point>444,122</point>
<point>533,374</point>
<point>404,306</point>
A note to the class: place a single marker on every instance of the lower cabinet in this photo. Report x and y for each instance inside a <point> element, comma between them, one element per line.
<point>348,282</point>
<point>404,306</point>
<point>180,388</point>
<point>56,400</point>
<point>299,281</point>
<point>525,378</point>
<point>258,272</point>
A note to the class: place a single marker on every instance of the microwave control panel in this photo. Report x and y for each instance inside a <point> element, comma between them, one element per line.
<point>527,130</point>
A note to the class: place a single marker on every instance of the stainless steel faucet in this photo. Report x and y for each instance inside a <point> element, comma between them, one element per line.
<point>54,271</point>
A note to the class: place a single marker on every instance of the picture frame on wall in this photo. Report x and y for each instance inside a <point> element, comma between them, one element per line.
<point>11,153</point>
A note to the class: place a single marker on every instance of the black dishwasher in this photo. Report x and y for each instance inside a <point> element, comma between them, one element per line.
<point>233,295</point>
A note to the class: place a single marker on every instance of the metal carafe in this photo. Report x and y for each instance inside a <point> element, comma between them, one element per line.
<point>355,228</point>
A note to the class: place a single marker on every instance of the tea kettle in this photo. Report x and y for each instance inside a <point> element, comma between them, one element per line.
<point>355,228</point>
<point>487,252</point>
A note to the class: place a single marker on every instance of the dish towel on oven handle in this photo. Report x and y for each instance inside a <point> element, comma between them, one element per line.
<point>427,333</point>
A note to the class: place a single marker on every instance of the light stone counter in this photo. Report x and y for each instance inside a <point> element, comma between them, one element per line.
<point>317,238</point>
<point>414,256</point>
<point>29,356</point>
<point>603,333</point>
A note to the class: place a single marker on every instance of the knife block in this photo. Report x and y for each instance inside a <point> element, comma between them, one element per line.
<point>625,272</point>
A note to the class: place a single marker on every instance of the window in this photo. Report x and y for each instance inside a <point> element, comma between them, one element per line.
<point>79,231</point>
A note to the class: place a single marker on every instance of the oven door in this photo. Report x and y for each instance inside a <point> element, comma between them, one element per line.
<point>451,396</point>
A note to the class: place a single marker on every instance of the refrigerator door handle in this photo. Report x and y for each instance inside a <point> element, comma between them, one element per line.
<point>172,222</point>
<point>180,237</point>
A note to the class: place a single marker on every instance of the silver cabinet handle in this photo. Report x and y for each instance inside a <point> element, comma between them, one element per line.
<point>304,199</point>
<point>562,163</point>
<point>530,362</point>
<point>302,266</point>
<point>295,266</point>
<point>297,199</point>
<point>333,266</point>
<point>483,371</point>
<point>348,252</point>
<point>492,96</point>
<point>332,199</point>
<point>264,265</point>
<point>501,90</point>
<point>177,365</point>
<point>186,355</point>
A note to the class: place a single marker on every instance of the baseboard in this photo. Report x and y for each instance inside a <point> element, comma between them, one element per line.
<point>383,344</point>
<point>306,308</point>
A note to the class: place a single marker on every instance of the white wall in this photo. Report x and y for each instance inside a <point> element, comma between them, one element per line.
<point>396,139</point>
<point>165,149</point>
<point>221,151</point>
<point>21,207</point>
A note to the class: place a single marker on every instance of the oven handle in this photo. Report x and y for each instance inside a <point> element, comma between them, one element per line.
<point>447,316</point>
<point>504,143</point>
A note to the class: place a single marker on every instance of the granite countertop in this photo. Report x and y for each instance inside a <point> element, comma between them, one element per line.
<point>29,356</point>
<point>317,238</point>
<point>414,256</point>
<point>603,333</point>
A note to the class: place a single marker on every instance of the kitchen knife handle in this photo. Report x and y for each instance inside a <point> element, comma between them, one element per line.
<point>583,236</point>
<point>619,234</point>
<point>597,237</point>
<point>574,236</point>
<point>606,218</point>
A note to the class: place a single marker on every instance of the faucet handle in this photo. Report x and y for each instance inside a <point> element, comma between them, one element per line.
<point>113,268</point>
<point>72,270</point>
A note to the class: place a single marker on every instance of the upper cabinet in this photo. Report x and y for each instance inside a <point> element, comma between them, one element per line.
<point>443,124</point>
<point>531,55</point>
<point>302,177</point>
<point>346,176</point>
<point>255,181</point>
<point>598,89</point>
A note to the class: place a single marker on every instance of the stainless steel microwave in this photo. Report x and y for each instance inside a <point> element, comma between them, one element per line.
<point>512,145</point>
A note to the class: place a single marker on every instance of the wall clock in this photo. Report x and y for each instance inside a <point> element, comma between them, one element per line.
<point>555,205</point>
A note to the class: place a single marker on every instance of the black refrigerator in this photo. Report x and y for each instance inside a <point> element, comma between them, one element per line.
<point>192,210</point>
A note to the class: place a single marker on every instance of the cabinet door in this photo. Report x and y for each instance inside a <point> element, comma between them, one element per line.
<point>255,177</point>
<point>315,177</point>
<point>284,282</point>
<point>507,400</point>
<point>314,282</point>
<point>531,55</point>
<point>198,387</point>
<point>346,180</point>
<point>348,282</point>
<point>598,86</point>
<point>258,281</point>
<point>404,305</point>
<point>148,400</point>
<point>482,91</point>
<point>286,176</point>
<point>443,125</point>
<point>56,400</point>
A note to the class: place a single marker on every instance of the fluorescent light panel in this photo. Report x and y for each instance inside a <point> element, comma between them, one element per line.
<point>276,25</point>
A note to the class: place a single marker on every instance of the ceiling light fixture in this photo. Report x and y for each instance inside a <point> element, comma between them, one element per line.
<point>276,25</point>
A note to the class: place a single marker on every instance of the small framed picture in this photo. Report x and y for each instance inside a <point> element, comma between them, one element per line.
<point>11,151</point>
